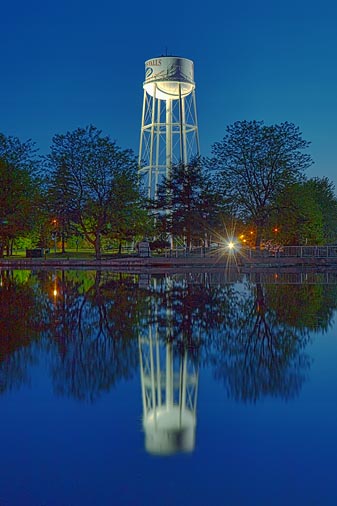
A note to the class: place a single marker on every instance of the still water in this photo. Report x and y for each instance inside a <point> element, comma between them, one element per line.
<point>200,389</point>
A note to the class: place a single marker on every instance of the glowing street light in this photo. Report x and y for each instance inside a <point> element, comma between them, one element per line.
<point>231,246</point>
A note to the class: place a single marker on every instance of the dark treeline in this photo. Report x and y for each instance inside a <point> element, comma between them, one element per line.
<point>86,191</point>
<point>87,329</point>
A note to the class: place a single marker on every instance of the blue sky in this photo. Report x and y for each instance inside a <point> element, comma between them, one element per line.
<point>72,63</point>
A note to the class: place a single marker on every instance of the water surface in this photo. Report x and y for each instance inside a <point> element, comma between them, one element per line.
<point>172,390</point>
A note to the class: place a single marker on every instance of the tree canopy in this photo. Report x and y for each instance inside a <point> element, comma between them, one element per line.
<point>306,213</point>
<point>19,189</point>
<point>254,163</point>
<point>98,182</point>
<point>21,155</point>
<point>190,205</point>
<point>323,191</point>
<point>87,188</point>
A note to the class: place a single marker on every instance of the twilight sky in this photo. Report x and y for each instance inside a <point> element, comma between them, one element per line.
<point>73,63</point>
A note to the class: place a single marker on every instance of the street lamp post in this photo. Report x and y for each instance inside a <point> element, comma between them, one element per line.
<point>54,238</point>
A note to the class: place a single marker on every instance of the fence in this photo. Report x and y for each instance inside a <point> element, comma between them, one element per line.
<point>198,251</point>
<point>295,252</point>
<point>279,252</point>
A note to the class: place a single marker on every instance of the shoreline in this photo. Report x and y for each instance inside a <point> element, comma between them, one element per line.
<point>164,264</point>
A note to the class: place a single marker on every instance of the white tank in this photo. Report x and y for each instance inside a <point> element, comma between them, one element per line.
<point>169,77</point>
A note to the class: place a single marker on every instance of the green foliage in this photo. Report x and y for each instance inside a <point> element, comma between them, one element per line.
<point>18,203</point>
<point>22,243</point>
<point>299,218</point>
<point>188,202</point>
<point>323,192</point>
<point>91,190</point>
<point>254,163</point>
<point>306,213</point>
<point>20,191</point>
<point>93,184</point>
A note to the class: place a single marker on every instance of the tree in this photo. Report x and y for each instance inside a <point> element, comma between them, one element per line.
<point>131,219</point>
<point>98,181</point>
<point>323,192</point>
<point>19,190</point>
<point>298,219</point>
<point>18,203</point>
<point>254,163</point>
<point>188,202</point>
<point>21,155</point>
<point>306,213</point>
<point>60,204</point>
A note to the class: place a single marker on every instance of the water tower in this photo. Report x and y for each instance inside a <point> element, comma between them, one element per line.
<point>169,129</point>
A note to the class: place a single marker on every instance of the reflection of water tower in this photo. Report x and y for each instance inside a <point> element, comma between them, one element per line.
<point>169,130</point>
<point>169,390</point>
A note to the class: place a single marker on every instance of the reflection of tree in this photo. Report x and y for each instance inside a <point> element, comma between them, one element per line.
<point>309,306</point>
<point>98,331</point>
<point>14,369</point>
<point>87,321</point>
<point>18,328</point>
<point>253,337</point>
<point>115,297</point>
<point>186,309</point>
<point>61,307</point>
<point>16,305</point>
<point>259,354</point>
<point>92,365</point>
<point>235,330</point>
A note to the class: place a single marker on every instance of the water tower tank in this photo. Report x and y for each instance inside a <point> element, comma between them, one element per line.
<point>169,77</point>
